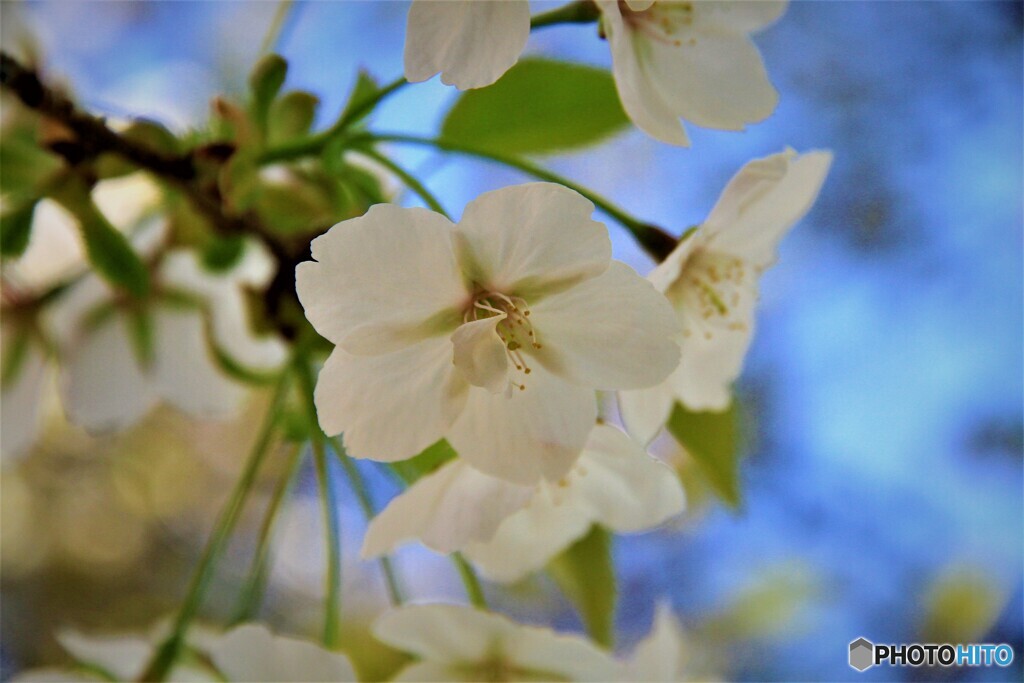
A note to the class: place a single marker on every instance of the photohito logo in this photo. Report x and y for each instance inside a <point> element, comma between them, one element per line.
<point>864,654</point>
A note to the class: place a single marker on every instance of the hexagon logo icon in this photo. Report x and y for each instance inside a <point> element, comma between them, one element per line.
<point>862,654</point>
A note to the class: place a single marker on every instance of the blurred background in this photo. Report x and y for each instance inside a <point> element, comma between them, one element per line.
<point>883,477</point>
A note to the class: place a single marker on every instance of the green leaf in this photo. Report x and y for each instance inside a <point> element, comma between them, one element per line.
<point>16,229</point>
<point>108,250</point>
<point>426,462</point>
<point>539,106</point>
<point>140,328</point>
<point>365,88</point>
<point>239,181</point>
<point>223,252</point>
<point>265,82</point>
<point>712,440</point>
<point>26,167</point>
<point>586,574</point>
<point>291,116</point>
<point>153,135</point>
<point>14,354</point>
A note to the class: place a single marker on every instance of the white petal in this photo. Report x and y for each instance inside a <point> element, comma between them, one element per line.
<point>532,237</point>
<point>559,656</point>
<point>54,252</point>
<point>529,539</point>
<point>737,16</point>
<point>645,411</point>
<point>615,483</point>
<point>435,672</point>
<point>639,5</point>
<point>54,676</point>
<point>660,656</point>
<point>126,200</point>
<point>522,436</point>
<point>123,656</point>
<point>442,633</point>
<point>445,510</point>
<point>470,43</point>
<point>392,406</point>
<point>184,370</point>
<point>610,332</point>
<point>66,315</point>
<point>252,653</point>
<point>223,294</point>
<point>712,355</point>
<point>393,267</point>
<point>625,489</point>
<point>763,201</point>
<point>668,271</point>
<point>481,355</point>
<point>104,386</point>
<point>640,96</point>
<point>20,400</point>
<point>715,80</point>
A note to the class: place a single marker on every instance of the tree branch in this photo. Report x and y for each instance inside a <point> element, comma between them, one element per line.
<point>95,137</point>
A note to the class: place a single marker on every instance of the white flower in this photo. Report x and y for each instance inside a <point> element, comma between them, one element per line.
<point>456,643</point>
<point>510,530</point>
<point>471,44</point>
<point>711,278</point>
<point>670,59</point>
<point>253,654</point>
<point>250,653</point>
<point>615,484</point>
<point>693,60</point>
<point>26,361</point>
<point>660,657</point>
<point>493,333</point>
<point>54,254</point>
<point>119,656</point>
<point>120,359</point>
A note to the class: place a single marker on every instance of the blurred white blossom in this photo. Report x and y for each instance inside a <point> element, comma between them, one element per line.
<point>457,643</point>
<point>120,358</point>
<point>509,530</point>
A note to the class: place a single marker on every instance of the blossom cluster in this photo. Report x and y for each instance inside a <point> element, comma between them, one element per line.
<point>504,337</point>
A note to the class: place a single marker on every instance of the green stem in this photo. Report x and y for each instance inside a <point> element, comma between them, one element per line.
<point>314,144</point>
<point>276,25</point>
<point>366,504</point>
<point>165,655</point>
<point>329,500</point>
<point>655,241</point>
<point>582,12</point>
<point>469,579</point>
<point>410,181</point>
<point>252,592</point>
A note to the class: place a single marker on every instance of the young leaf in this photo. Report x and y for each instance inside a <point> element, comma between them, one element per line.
<point>586,574</point>
<point>712,439</point>
<point>109,251</point>
<point>365,88</point>
<point>426,462</point>
<point>265,82</point>
<point>223,252</point>
<point>291,116</point>
<point>539,106</point>
<point>16,228</point>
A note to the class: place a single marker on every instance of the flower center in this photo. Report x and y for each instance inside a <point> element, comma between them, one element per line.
<point>662,21</point>
<point>515,331</point>
<point>714,286</point>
